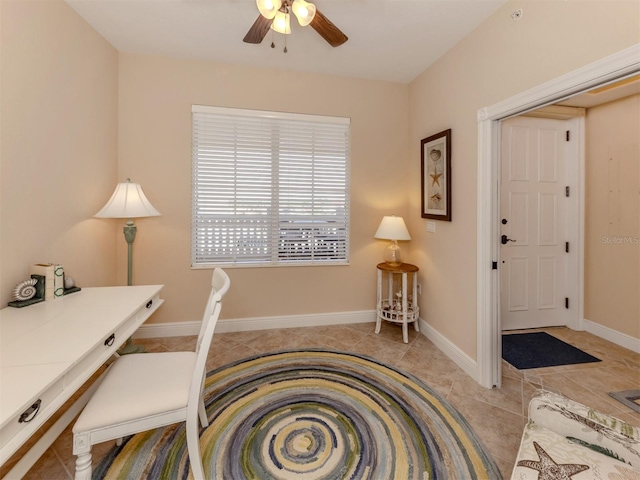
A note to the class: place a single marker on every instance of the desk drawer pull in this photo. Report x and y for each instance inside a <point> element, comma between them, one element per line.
<point>109,341</point>
<point>149,303</point>
<point>32,411</point>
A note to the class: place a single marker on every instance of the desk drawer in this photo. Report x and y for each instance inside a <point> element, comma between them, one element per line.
<point>83,369</point>
<point>147,310</point>
<point>33,416</point>
<point>109,344</point>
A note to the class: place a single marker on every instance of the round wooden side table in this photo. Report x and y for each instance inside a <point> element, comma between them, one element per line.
<point>399,306</point>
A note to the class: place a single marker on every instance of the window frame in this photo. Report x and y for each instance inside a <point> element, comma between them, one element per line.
<point>275,218</point>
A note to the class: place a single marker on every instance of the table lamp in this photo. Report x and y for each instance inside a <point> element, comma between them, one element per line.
<point>392,228</point>
<point>128,201</point>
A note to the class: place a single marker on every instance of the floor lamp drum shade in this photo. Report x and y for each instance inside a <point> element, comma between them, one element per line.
<point>392,228</point>
<point>128,201</point>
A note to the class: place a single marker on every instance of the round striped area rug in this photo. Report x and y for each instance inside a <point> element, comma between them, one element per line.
<point>313,414</point>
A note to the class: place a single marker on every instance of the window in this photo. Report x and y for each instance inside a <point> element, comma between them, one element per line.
<point>269,188</point>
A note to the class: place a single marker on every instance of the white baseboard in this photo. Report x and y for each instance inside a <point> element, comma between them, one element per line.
<point>181,329</point>
<point>613,336</point>
<point>464,361</point>
<point>173,329</point>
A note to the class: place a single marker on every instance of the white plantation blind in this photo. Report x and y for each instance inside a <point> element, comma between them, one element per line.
<point>269,188</point>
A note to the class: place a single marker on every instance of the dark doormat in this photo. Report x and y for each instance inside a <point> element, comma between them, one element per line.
<point>539,349</point>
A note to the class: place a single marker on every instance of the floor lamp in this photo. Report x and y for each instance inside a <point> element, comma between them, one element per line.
<point>128,201</point>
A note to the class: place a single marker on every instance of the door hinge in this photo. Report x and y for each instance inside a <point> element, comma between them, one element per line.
<point>494,265</point>
<point>566,302</point>
<point>567,191</point>
<point>566,247</point>
<point>568,135</point>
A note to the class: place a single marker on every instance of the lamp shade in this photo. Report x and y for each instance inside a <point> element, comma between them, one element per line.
<point>268,8</point>
<point>304,11</point>
<point>392,228</point>
<point>282,23</point>
<point>128,201</point>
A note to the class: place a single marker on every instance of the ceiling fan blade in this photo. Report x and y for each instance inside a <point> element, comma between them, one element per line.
<point>327,30</point>
<point>258,30</point>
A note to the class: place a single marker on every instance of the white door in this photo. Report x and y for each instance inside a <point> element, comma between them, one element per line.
<point>533,213</point>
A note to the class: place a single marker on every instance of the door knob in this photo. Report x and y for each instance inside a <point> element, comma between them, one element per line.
<point>504,239</point>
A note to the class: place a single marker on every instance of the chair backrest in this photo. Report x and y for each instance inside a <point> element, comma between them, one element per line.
<point>220,283</point>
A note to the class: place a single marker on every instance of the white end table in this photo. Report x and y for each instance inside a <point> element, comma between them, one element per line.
<point>397,307</point>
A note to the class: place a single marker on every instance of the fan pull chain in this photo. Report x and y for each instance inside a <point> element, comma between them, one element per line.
<point>286,10</point>
<point>273,44</point>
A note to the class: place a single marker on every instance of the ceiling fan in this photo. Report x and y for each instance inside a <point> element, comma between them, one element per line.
<point>275,14</point>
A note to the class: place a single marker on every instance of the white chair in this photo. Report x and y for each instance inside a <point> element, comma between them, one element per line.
<point>149,390</point>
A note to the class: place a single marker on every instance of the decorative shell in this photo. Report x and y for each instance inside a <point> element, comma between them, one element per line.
<point>25,290</point>
<point>69,282</point>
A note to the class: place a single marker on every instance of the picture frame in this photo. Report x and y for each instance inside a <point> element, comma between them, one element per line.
<point>435,155</point>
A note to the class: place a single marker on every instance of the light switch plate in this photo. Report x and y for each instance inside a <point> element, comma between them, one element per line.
<point>431,227</point>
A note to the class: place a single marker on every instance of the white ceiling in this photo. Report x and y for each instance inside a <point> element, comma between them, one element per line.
<point>392,40</point>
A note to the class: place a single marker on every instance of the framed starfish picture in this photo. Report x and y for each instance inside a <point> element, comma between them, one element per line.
<point>436,176</point>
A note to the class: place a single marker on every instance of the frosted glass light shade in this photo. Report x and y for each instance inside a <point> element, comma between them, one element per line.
<point>392,228</point>
<point>128,201</point>
<point>268,8</point>
<point>282,23</point>
<point>304,11</point>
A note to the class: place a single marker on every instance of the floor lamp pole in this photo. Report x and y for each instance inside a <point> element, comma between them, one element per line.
<point>130,235</point>
<point>128,201</point>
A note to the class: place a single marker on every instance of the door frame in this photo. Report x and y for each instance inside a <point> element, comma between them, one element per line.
<point>574,214</point>
<point>609,69</point>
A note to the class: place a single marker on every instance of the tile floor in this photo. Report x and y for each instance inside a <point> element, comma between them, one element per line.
<point>498,415</point>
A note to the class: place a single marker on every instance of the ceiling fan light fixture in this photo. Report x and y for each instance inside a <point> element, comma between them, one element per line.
<point>304,11</point>
<point>269,8</point>
<point>282,23</point>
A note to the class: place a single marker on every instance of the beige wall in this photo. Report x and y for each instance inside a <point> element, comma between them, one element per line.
<point>155,101</point>
<point>498,60</point>
<point>75,120</point>
<point>612,226</point>
<point>58,135</point>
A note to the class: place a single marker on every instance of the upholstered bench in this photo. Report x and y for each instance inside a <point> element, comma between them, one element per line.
<point>564,439</point>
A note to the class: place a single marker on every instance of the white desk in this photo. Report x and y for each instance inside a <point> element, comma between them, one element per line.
<point>48,350</point>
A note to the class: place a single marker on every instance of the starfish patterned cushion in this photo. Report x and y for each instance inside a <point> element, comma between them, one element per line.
<point>549,469</point>
<point>566,440</point>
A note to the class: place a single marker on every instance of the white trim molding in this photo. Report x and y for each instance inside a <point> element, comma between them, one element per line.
<point>182,329</point>
<point>464,361</point>
<point>619,338</point>
<point>292,321</point>
<point>607,70</point>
